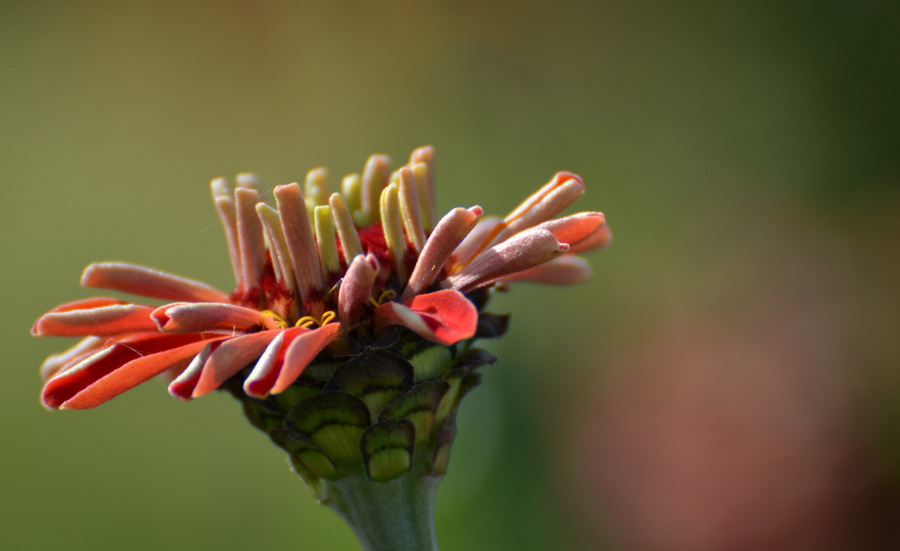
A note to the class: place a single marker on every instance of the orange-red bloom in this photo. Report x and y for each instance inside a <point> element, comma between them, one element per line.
<point>314,272</point>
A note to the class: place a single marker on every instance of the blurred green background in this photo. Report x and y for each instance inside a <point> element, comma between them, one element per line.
<point>729,379</point>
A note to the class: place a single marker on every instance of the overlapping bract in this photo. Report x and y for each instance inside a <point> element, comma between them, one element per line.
<point>316,271</point>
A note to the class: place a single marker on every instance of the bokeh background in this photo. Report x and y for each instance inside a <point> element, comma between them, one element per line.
<point>729,379</point>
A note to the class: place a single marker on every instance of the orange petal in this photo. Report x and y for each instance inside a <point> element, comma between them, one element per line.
<point>70,382</point>
<point>599,240</point>
<point>57,362</point>
<point>564,270</point>
<point>302,350</point>
<point>138,280</point>
<point>132,374</point>
<point>576,228</point>
<point>525,250</point>
<point>94,317</point>
<point>230,357</point>
<point>444,317</point>
<point>264,375</point>
<point>191,317</point>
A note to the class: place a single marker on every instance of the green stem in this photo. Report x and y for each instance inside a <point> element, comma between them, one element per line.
<point>388,516</point>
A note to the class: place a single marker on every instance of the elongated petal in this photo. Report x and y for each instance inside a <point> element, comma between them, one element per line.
<point>599,240</point>
<point>545,209</point>
<point>183,385</point>
<point>278,248</point>
<point>105,321</point>
<point>410,209</point>
<point>55,363</point>
<point>190,317</point>
<point>264,375</point>
<point>444,317</point>
<point>300,241</point>
<point>392,222</point>
<point>425,189</point>
<point>563,270</point>
<point>70,382</point>
<point>525,250</point>
<point>471,244</point>
<point>445,238</point>
<point>356,288</point>
<point>327,244</point>
<point>302,350</point>
<point>375,178</point>
<point>576,228</point>
<point>146,282</point>
<point>425,155</point>
<point>350,243</point>
<point>132,374</point>
<point>250,236</point>
<point>230,357</point>
<point>224,203</point>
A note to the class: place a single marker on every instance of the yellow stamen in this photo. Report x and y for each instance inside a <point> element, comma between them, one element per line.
<point>279,321</point>
<point>309,321</point>
<point>385,295</point>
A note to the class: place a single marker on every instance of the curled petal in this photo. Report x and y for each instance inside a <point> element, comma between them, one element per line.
<point>301,243</point>
<point>525,250</point>
<point>447,235</point>
<point>192,317</point>
<point>564,270</point>
<point>85,373</point>
<point>184,384</point>
<point>542,210</point>
<point>470,245</point>
<point>261,380</point>
<point>356,288</point>
<point>302,350</point>
<point>444,317</point>
<point>100,316</point>
<point>138,280</point>
<point>576,228</point>
<point>599,240</point>
<point>57,362</point>
<point>230,357</point>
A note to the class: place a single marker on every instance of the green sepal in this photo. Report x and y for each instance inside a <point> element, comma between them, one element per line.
<point>375,376</point>
<point>474,358</point>
<point>333,421</point>
<point>491,326</point>
<point>319,372</point>
<point>418,405</point>
<point>310,458</point>
<point>293,395</point>
<point>387,449</point>
<point>443,442</point>
<point>430,362</point>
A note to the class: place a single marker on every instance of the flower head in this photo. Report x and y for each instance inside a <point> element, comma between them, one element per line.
<point>362,303</point>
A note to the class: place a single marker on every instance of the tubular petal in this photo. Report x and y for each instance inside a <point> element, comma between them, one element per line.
<point>351,192</point>
<point>260,381</point>
<point>146,282</point>
<point>278,248</point>
<point>444,317</point>
<point>230,357</point>
<point>523,251</point>
<point>300,241</point>
<point>575,228</point>
<point>549,206</point>
<point>56,362</point>
<point>189,317</point>
<point>132,374</point>
<point>599,240</point>
<point>67,384</point>
<point>376,175</point>
<point>325,239</point>
<point>183,386</point>
<point>424,189</point>
<point>103,321</point>
<point>410,210</point>
<point>356,288</point>
<point>302,350</point>
<point>350,243</point>
<point>224,203</point>
<point>317,186</point>
<point>563,270</point>
<point>447,235</point>
<point>392,223</point>
<point>472,243</point>
<point>425,154</point>
<point>250,236</point>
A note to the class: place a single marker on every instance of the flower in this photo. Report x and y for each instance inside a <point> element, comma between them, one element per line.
<point>318,271</point>
<point>348,339</point>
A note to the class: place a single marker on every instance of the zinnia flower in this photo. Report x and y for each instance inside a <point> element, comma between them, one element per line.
<point>348,336</point>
